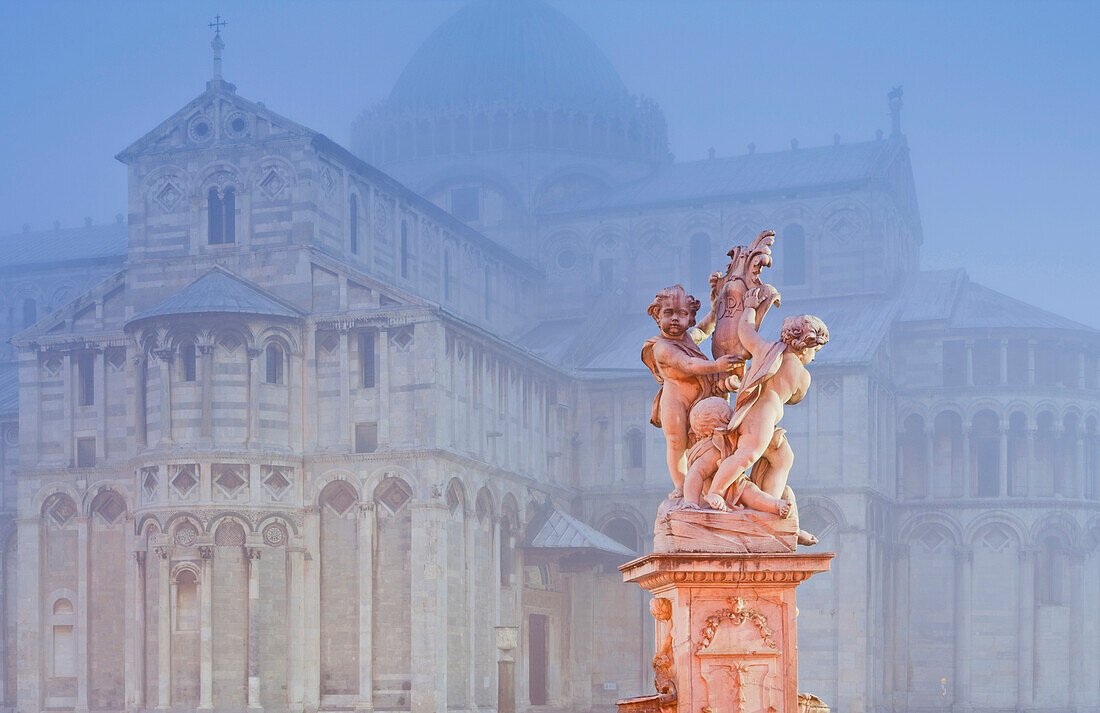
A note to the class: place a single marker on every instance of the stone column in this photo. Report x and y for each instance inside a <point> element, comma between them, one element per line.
<point>1002,472</point>
<point>253,395</point>
<point>1077,693</point>
<point>929,462</point>
<point>137,638</point>
<point>295,631</point>
<point>254,626</point>
<point>68,405</point>
<point>82,617</point>
<point>964,557</point>
<point>29,645</point>
<point>1025,665</point>
<point>1080,489</point>
<point>429,606</point>
<point>311,609</point>
<point>99,391</point>
<point>164,631</point>
<point>470,526</point>
<point>969,362</point>
<point>343,414</point>
<point>366,610</point>
<point>1004,362</point>
<point>206,638</point>
<point>1031,363</point>
<point>164,361</point>
<point>969,488</point>
<point>206,350</point>
<point>901,626</point>
<point>140,412</point>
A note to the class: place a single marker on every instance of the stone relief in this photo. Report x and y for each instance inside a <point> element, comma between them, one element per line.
<point>728,458</point>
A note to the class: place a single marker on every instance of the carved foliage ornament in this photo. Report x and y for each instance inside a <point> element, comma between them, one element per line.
<point>737,613</point>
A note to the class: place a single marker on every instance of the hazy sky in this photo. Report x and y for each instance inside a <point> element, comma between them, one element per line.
<point>1001,100</point>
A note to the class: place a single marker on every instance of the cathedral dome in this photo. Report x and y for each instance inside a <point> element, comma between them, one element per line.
<point>509,52</point>
<point>509,74</point>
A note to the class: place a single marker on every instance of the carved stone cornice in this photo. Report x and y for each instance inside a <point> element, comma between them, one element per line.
<point>657,572</point>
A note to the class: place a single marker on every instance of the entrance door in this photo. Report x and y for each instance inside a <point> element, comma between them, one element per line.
<point>538,660</point>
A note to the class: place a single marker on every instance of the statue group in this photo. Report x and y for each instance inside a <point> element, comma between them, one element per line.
<point>725,457</point>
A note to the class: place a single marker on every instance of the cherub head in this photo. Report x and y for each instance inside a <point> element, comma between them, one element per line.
<point>709,415</point>
<point>674,311</point>
<point>804,334</point>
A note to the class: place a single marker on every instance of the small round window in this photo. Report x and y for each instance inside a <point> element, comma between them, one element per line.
<point>236,125</point>
<point>567,259</point>
<point>200,129</point>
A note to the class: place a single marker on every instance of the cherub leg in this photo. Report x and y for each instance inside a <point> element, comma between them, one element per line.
<point>754,498</point>
<point>731,469</point>
<point>676,452</point>
<point>781,458</point>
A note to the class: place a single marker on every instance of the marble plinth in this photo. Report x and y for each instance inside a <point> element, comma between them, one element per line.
<point>726,630</point>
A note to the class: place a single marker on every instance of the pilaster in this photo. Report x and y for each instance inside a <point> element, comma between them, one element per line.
<point>429,607</point>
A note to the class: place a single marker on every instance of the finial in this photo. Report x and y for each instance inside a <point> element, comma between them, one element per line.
<point>836,139</point>
<point>752,147</point>
<point>895,110</point>
<point>711,152</point>
<point>794,144</point>
<point>217,44</point>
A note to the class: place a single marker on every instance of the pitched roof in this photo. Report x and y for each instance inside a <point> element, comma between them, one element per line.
<point>948,296</point>
<point>221,291</point>
<point>757,173</point>
<point>48,247</point>
<point>856,324</point>
<point>556,530</point>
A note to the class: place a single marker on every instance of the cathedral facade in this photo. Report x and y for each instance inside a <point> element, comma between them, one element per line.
<point>318,428</point>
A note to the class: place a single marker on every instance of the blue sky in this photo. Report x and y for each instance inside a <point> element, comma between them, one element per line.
<point>1001,100</point>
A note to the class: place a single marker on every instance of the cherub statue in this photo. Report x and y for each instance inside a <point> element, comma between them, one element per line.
<point>686,375</point>
<point>727,296</point>
<point>709,420</point>
<point>777,376</point>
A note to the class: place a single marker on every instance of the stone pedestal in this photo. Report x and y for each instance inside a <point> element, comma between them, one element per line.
<point>726,633</point>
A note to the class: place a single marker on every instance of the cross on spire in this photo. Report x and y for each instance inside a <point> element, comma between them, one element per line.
<point>217,44</point>
<point>217,25</point>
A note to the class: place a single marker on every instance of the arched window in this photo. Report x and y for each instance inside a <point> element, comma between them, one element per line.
<point>30,312</point>
<point>187,362</point>
<point>214,217</point>
<point>634,445</point>
<point>912,463</point>
<point>985,444</point>
<point>274,364</point>
<point>221,213</point>
<point>1050,572</point>
<point>622,531</point>
<point>63,645</point>
<point>353,225</point>
<point>404,249</point>
<point>699,264</point>
<point>793,242</point>
<point>187,601</point>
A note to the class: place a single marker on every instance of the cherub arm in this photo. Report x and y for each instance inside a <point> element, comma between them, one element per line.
<point>746,327</point>
<point>691,365</point>
<point>705,327</point>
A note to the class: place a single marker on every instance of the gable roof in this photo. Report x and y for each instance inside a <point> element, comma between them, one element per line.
<point>747,175</point>
<point>159,139</point>
<point>41,248</point>
<point>220,291</point>
<point>554,530</point>
<point>857,325</point>
<point>949,297</point>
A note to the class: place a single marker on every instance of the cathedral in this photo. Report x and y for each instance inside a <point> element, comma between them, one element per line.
<point>326,428</point>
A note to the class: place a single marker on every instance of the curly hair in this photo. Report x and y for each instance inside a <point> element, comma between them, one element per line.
<point>676,292</point>
<point>804,331</point>
<point>711,413</point>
